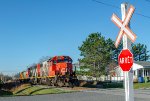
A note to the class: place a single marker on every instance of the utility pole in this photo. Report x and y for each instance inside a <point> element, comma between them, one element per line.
<point>128,76</point>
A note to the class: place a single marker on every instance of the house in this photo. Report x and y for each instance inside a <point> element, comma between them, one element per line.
<point>140,69</point>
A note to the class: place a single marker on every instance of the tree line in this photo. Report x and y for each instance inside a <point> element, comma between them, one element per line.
<point>4,78</point>
<point>98,54</point>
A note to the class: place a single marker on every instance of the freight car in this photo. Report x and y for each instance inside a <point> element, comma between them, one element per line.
<point>56,71</point>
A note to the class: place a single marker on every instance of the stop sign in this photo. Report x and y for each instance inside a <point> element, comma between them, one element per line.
<point>125,59</point>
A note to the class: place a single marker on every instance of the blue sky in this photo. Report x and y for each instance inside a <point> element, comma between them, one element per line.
<point>31,29</point>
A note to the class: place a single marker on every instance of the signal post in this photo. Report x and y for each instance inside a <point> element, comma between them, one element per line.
<point>125,58</point>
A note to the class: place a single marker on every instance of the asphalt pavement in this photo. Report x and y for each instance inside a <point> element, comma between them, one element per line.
<point>86,95</point>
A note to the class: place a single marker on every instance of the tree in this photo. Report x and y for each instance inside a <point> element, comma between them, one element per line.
<point>140,52</point>
<point>4,78</point>
<point>99,54</point>
<point>116,52</point>
<point>96,52</point>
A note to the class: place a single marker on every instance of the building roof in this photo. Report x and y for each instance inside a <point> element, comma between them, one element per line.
<point>143,63</point>
<point>138,65</point>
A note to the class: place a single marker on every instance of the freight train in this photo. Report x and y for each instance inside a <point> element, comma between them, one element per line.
<point>55,71</point>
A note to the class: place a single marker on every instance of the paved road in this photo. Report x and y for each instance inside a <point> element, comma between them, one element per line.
<point>95,95</point>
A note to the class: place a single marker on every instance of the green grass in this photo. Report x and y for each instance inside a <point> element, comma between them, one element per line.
<point>120,85</point>
<point>37,90</point>
<point>50,91</point>
<point>141,85</point>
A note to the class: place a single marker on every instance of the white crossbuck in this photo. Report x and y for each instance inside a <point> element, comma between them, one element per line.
<point>123,25</point>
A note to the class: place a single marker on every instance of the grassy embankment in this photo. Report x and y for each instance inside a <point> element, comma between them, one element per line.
<point>27,90</point>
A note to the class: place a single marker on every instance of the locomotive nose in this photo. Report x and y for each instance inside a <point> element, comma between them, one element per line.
<point>68,64</point>
<point>69,67</point>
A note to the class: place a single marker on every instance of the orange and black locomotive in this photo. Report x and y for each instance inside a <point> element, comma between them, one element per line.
<point>56,71</point>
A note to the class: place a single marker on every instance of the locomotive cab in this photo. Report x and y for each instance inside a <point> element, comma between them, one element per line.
<point>63,65</point>
<point>60,65</point>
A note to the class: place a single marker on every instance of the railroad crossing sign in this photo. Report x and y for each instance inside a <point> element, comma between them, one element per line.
<point>125,60</point>
<point>123,25</point>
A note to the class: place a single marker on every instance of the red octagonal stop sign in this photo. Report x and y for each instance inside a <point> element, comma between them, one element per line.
<point>125,59</point>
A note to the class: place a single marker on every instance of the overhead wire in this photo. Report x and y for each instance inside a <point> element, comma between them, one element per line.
<point>106,4</point>
<point>142,15</point>
<point>110,5</point>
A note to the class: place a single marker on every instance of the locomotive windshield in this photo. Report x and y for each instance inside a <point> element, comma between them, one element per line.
<point>64,60</point>
<point>68,60</point>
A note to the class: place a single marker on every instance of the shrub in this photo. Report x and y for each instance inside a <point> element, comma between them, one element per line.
<point>112,85</point>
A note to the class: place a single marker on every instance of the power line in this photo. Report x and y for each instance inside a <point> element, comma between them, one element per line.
<point>142,15</point>
<point>106,4</point>
<point>110,5</point>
